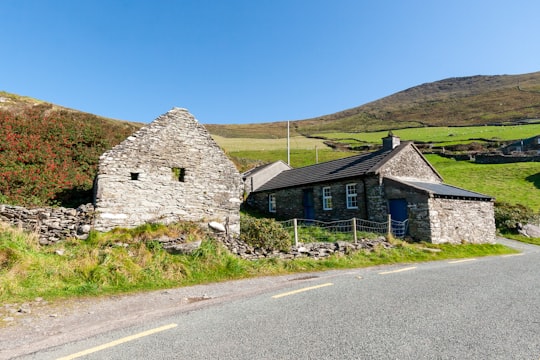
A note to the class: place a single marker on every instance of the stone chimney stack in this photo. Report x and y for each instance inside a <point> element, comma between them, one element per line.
<point>391,141</point>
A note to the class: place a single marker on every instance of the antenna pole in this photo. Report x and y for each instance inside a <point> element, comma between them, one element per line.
<point>288,145</point>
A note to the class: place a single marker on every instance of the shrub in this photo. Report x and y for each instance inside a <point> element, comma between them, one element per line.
<point>264,233</point>
<point>508,216</point>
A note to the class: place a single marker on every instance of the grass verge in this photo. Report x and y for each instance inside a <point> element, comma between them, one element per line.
<point>522,238</point>
<point>125,261</point>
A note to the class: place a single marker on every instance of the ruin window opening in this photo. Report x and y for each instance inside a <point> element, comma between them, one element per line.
<point>134,176</point>
<point>179,174</point>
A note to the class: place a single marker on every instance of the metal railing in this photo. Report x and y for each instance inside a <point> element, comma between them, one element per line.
<point>307,230</point>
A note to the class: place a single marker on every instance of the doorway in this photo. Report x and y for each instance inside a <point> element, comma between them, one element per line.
<point>309,204</point>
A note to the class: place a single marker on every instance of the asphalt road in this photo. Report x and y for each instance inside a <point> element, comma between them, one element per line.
<point>484,308</point>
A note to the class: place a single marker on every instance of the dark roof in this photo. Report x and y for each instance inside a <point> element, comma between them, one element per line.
<point>443,190</point>
<point>348,167</point>
<point>524,142</point>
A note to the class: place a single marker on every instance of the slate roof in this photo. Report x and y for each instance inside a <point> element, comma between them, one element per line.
<point>257,169</point>
<point>443,190</point>
<point>348,167</point>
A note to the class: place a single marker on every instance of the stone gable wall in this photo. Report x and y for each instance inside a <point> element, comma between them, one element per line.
<point>409,163</point>
<point>168,171</point>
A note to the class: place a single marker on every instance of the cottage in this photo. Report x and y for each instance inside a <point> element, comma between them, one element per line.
<point>530,145</point>
<point>255,178</point>
<point>169,170</point>
<point>395,180</point>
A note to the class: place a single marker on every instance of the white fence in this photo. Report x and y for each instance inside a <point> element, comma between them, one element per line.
<point>306,230</point>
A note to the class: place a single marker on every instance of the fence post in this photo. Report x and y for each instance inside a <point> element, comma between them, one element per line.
<point>389,230</point>
<point>354,230</point>
<point>295,222</point>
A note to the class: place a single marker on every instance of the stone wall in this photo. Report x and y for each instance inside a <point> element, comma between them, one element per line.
<point>456,221</point>
<point>171,170</point>
<point>504,159</point>
<point>319,250</point>
<point>289,202</point>
<point>50,224</point>
<point>409,163</point>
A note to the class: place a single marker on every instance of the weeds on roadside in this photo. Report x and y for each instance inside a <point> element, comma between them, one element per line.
<point>123,261</point>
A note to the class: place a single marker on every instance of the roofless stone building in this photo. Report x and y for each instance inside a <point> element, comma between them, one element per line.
<point>170,170</point>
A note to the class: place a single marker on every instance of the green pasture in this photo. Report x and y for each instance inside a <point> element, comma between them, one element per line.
<point>299,157</point>
<point>252,144</point>
<point>442,135</point>
<point>515,183</point>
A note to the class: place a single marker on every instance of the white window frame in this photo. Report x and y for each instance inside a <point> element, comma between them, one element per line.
<point>352,196</point>
<point>272,203</point>
<point>327,198</point>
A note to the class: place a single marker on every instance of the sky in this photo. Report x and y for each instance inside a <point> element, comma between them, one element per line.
<point>253,61</point>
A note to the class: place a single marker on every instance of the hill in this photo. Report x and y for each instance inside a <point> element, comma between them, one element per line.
<point>460,101</point>
<point>49,154</point>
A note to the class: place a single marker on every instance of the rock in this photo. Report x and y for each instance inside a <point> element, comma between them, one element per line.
<point>529,230</point>
<point>84,229</point>
<point>214,225</point>
<point>183,249</point>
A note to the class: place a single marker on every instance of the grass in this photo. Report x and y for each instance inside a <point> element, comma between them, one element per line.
<point>253,144</point>
<point>299,157</point>
<point>124,261</point>
<point>515,183</point>
<point>442,136</point>
<point>522,238</point>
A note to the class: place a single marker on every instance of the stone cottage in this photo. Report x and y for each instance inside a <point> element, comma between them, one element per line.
<point>169,170</point>
<point>395,180</point>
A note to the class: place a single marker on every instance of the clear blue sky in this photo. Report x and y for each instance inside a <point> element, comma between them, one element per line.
<point>249,61</point>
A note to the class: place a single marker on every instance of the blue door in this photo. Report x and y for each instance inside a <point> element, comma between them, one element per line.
<point>399,216</point>
<point>398,209</point>
<point>309,205</point>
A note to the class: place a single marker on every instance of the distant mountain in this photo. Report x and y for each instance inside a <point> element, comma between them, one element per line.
<point>460,101</point>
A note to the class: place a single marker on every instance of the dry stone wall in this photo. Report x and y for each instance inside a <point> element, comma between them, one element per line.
<point>50,224</point>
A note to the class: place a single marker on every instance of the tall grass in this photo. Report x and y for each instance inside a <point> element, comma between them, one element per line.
<point>124,261</point>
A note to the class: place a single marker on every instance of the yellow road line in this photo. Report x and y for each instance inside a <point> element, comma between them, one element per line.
<point>301,290</point>
<point>397,271</point>
<point>118,342</point>
<point>460,261</point>
<point>510,255</point>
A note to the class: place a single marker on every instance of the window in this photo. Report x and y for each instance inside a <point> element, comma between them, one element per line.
<point>327,198</point>
<point>179,174</point>
<point>272,203</point>
<point>134,176</point>
<point>352,196</point>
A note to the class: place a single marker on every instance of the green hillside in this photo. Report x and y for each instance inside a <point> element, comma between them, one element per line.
<point>462,101</point>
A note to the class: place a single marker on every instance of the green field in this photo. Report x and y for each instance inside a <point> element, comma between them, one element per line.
<point>253,144</point>
<point>443,136</point>
<point>516,183</point>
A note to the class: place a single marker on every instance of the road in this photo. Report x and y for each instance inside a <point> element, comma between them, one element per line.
<point>484,308</point>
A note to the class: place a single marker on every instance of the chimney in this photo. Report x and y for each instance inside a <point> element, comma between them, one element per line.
<point>390,142</point>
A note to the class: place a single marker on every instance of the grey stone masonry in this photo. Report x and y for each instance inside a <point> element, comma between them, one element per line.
<point>170,170</point>
<point>50,224</point>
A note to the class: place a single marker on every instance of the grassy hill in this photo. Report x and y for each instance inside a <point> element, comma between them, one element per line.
<point>462,101</point>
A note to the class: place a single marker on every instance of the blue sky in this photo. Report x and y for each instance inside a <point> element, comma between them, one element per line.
<point>251,61</point>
